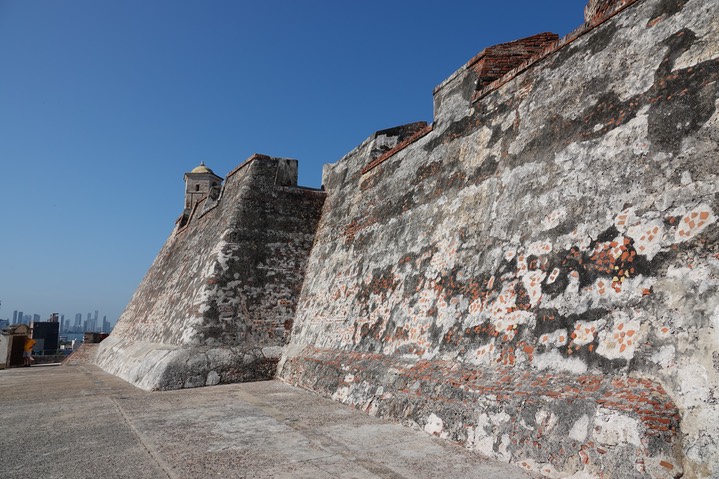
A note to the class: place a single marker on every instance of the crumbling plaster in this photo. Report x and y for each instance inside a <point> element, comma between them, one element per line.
<point>537,276</point>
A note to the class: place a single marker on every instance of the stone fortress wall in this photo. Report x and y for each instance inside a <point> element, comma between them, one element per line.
<point>217,304</point>
<point>534,275</point>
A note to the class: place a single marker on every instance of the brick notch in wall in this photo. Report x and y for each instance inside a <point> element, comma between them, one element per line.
<point>597,11</point>
<point>494,62</point>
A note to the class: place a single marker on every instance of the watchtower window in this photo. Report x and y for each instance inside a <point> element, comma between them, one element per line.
<point>197,187</point>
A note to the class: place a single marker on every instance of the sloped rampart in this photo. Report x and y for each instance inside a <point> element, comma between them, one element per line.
<point>218,302</point>
<point>536,274</point>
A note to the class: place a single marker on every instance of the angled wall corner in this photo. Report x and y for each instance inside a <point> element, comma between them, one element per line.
<point>218,302</point>
<point>453,98</point>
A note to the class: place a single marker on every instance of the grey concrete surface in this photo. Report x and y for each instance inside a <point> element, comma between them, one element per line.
<point>79,422</point>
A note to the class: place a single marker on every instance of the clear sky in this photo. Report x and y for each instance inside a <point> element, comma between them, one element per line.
<point>105,104</point>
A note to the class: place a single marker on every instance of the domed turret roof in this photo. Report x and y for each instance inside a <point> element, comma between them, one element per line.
<point>202,169</point>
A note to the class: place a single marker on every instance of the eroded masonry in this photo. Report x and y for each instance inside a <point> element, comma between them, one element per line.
<point>535,274</point>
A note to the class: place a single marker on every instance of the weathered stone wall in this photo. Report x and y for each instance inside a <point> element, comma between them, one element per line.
<point>218,302</point>
<point>536,274</point>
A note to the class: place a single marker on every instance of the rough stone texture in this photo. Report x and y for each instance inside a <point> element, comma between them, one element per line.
<point>218,302</point>
<point>85,354</point>
<point>537,276</point>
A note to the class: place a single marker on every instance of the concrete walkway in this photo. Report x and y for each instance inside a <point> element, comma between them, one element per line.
<point>79,422</point>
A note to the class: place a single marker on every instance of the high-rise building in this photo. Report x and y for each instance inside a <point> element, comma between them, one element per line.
<point>36,318</point>
<point>78,320</point>
<point>46,335</point>
<point>19,317</point>
<point>14,317</point>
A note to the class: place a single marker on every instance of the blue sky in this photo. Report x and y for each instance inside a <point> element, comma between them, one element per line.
<point>105,104</point>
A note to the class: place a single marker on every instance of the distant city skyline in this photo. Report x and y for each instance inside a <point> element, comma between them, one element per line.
<point>92,321</point>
